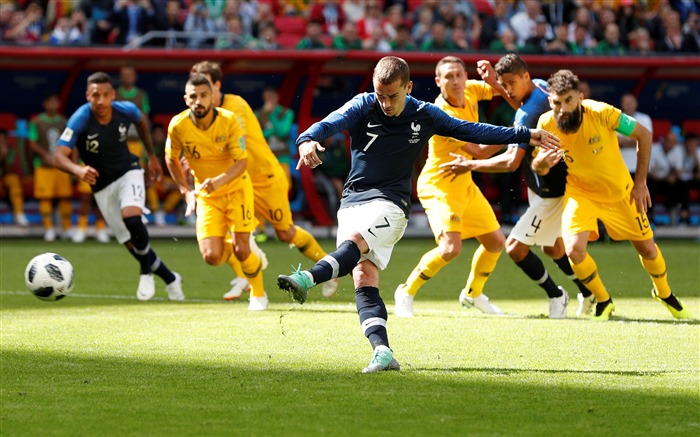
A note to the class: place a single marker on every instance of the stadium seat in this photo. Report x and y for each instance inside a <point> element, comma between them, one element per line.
<point>163,119</point>
<point>290,24</point>
<point>288,40</point>
<point>661,127</point>
<point>8,121</point>
<point>691,126</point>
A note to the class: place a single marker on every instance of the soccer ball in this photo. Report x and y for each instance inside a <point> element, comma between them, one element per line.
<point>49,276</point>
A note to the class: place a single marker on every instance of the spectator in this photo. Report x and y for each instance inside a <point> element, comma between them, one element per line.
<point>611,44</point>
<point>235,38</point>
<point>27,27</point>
<point>248,13</point>
<point>348,38</point>
<point>403,40</point>
<point>422,29</point>
<point>641,43</point>
<point>373,18</point>
<point>276,122</point>
<point>524,22</point>
<point>132,19</point>
<point>128,90</point>
<point>665,165</point>
<point>495,24</point>
<point>376,41</point>
<point>198,21</point>
<point>394,18</point>
<point>70,31</point>
<point>6,13</point>
<point>314,37</point>
<point>354,10</point>
<point>439,41</point>
<point>537,44</point>
<point>688,175</point>
<point>671,40</point>
<point>506,43</point>
<point>628,146</point>
<point>10,180</point>
<point>579,30</point>
<point>170,20</point>
<point>606,16</point>
<point>458,36</point>
<point>49,182</point>
<point>330,14</point>
<point>691,38</point>
<point>582,44</point>
<point>166,189</point>
<point>585,88</point>
<point>268,38</point>
<point>102,31</point>
<point>559,45</point>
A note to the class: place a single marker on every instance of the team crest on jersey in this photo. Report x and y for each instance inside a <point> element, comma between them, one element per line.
<point>67,134</point>
<point>415,127</point>
<point>220,138</point>
<point>593,140</point>
<point>122,132</point>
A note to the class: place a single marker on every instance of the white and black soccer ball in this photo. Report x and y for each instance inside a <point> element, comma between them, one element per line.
<point>49,276</point>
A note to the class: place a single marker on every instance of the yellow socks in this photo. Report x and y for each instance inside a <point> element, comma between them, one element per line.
<point>587,272</point>
<point>483,264</point>
<point>657,270</point>
<point>65,208</point>
<point>252,269</point>
<point>427,267</point>
<point>46,210</point>
<point>307,245</point>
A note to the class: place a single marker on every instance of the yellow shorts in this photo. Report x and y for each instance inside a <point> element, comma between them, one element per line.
<point>218,215</point>
<point>272,203</point>
<point>135,148</point>
<point>468,213</point>
<point>52,183</point>
<point>621,219</point>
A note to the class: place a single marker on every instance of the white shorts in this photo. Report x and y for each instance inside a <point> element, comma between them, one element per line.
<point>381,224</point>
<point>128,190</point>
<point>540,225</point>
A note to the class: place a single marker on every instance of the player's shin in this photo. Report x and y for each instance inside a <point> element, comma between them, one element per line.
<point>252,269</point>
<point>336,264</point>
<point>657,271</point>
<point>307,244</point>
<point>373,315</point>
<point>587,272</point>
<point>483,264</point>
<point>427,267</point>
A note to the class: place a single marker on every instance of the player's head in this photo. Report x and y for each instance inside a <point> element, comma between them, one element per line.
<point>565,100</point>
<point>198,95</point>
<point>514,76</point>
<point>628,104</point>
<point>451,77</point>
<point>392,83</point>
<point>100,94</point>
<point>51,103</point>
<point>212,70</point>
<point>127,76</point>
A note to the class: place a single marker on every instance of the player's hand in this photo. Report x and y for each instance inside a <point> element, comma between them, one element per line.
<point>545,160</point>
<point>459,165</point>
<point>486,71</point>
<point>154,168</point>
<point>207,186</point>
<point>88,174</point>
<point>542,138</point>
<point>641,197</point>
<point>307,154</point>
<point>191,202</point>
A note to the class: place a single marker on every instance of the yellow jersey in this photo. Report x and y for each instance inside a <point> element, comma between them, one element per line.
<point>209,152</point>
<point>262,164</point>
<point>592,155</point>
<point>439,147</point>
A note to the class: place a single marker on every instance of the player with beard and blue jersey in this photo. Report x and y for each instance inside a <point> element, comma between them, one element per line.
<point>388,130</point>
<point>98,130</point>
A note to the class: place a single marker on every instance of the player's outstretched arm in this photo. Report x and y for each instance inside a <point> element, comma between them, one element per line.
<point>545,160</point>
<point>488,75</point>
<point>154,169</point>
<point>307,154</point>
<point>544,139</point>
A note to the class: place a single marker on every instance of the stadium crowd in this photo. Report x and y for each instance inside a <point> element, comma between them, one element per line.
<point>557,27</point>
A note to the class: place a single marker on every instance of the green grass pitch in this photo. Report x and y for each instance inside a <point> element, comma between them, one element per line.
<point>101,363</point>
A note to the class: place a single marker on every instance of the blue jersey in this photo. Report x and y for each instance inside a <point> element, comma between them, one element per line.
<point>385,149</point>
<point>554,183</point>
<point>103,146</point>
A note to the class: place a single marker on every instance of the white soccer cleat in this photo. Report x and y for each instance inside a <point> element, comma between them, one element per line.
<point>585,305</point>
<point>481,303</point>
<point>330,287</point>
<point>159,218</point>
<point>258,251</point>
<point>50,235</point>
<point>238,287</point>
<point>557,305</point>
<point>174,289</point>
<point>102,235</point>
<point>382,359</point>
<point>403,302</point>
<point>258,303</point>
<point>147,287</point>
<point>21,219</point>
<point>78,236</point>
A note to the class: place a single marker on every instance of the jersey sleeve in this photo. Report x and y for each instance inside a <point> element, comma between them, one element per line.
<point>338,120</point>
<point>74,127</point>
<point>173,144</point>
<point>476,132</point>
<point>130,109</point>
<point>32,131</point>
<point>236,140</point>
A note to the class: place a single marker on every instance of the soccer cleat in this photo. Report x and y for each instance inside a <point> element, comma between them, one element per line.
<point>147,287</point>
<point>481,303</point>
<point>258,251</point>
<point>683,313</point>
<point>585,305</point>
<point>603,310</point>
<point>50,235</point>
<point>258,303</point>
<point>557,305</point>
<point>383,359</point>
<point>102,235</point>
<point>174,289</point>
<point>403,302</point>
<point>297,285</point>
<point>238,287</point>
<point>78,236</point>
<point>329,287</point>
<point>159,218</point>
<point>21,219</point>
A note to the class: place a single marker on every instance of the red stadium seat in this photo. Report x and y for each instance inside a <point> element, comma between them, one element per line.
<point>8,121</point>
<point>661,127</point>
<point>290,24</point>
<point>288,40</point>
<point>691,126</point>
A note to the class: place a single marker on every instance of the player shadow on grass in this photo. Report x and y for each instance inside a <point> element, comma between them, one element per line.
<point>515,371</point>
